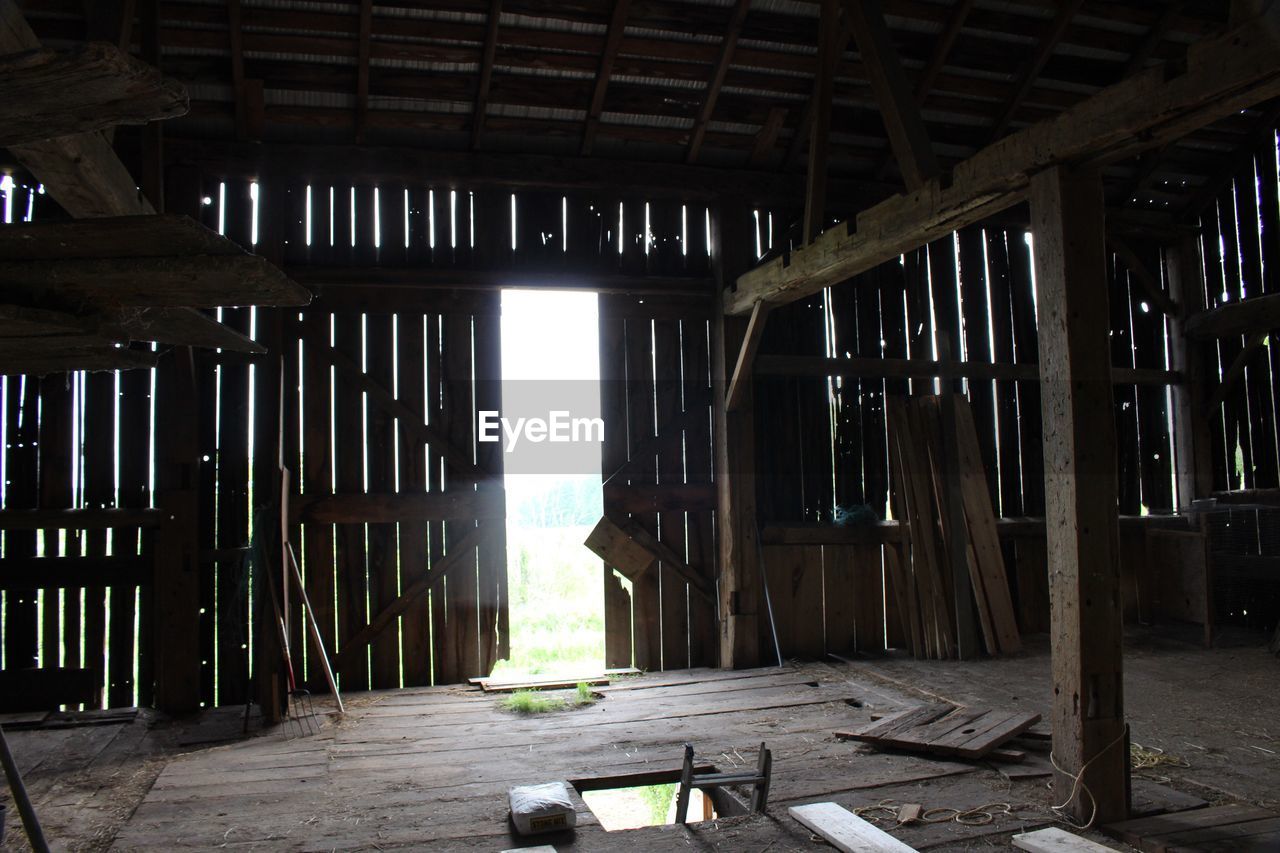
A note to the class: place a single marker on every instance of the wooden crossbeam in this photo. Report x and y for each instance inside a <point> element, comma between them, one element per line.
<point>487,53</point>
<point>742,368</point>
<point>1031,70</point>
<point>727,46</point>
<point>458,553</point>
<point>1144,276</point>
<point>33,361</point>
<point>898,107</point>
<point>612,42</point>
<point>46,93</point>
<point>1255,314</point>
<point>1220,77</point>
<point>363,47</point>
<point>71,572</point>
<point>918,368</point>
<point>373,508</point>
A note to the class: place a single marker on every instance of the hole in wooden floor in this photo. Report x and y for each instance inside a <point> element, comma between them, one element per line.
<point>649,799</point>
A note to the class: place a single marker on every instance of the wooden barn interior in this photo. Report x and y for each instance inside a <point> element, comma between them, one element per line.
<point>940,449</point>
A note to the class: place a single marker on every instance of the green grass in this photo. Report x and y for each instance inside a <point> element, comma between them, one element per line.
<point>537,702</point>
<point>556,589</point>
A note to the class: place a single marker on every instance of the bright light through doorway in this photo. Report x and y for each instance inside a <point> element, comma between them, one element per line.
<point>556,593</point>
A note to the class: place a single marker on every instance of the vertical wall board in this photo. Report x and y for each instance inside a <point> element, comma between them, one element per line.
<point>977,345</point>
<point>292,459</point>
<point>441,224</point>
<point>630,237</point>
<point>463,637</point>
<point>840,568</point>
<point>1126,397</point>
<point>794,576</point>
<point>135,454</point>
<point>1033,586</point>
<point>349,462</point>
<point>613,456</point>
<point>206,391</point>
<point>642,469</point>
<point>325,204</point>
<point>494,613</point>
<point>665,252</point>
<point>380,477</point>
<point>586,232</point>
<point>779,566</point>
<point>444,660</point>
<point>493,229</point>
<point>700,525</point>
<point>1235,407</point>
<point>98,484</point>
<point>868,597</point>
<point>415,625</point>
<point>232,589</point>
<point>875,481</point>
<point>670,470</point>
<point>317,552</point>
<point>419,227</point>
<point>697,260</point>
<point>392,232</point>
<point>1257,381</point>
<point>365,252</point>
<point>1269,213</point>
<point>1211,256</point>
<point>297,250</point>
<point>999,286</point>
<point>61,621</point>
<point>22,492</point>
<point>1026,351</point>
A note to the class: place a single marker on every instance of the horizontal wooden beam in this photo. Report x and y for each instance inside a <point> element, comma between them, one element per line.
<point>193,282</point>
<point>474,169</point>
<point>46,93</point>
<point>1248,316</point>
<point>32,360</point>
<point>911,368</point>
<point>394,507</point>
<point>73,572</point>
<point>1220,77</point>
<point>880,532</point>
<point>325,280</point>
<point>681,497</point>
<point>78,519</point>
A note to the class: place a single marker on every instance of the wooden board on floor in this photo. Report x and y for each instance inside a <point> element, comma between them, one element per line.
<point>944,730</point>
<point>1055,840</point>
<point>845,831</point>
<point>1229,827</point>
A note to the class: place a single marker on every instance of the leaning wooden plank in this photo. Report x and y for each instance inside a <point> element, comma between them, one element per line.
<point>150,236</point>
<point>181,326</point>
<point>845,831</point>
<point>611,543</point>
<point>192,281</point>
<point>46,93</point>
<point>542,684</point>
<point>1054,840</point>
<point>1219,77</point>
<point>1255,314</point>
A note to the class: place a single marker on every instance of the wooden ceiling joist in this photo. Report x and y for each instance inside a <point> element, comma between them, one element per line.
<point>898,107</point>
<point>612,41</point>
<point>46,93</point>
<point>487,54</point>
<point>721,70</point>
<point>1220,77</point>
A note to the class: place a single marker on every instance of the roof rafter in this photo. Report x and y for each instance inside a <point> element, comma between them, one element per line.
<point>612,42</point>
<point>815,196</point>
<point>740,9</point>
<point>907,135</point>
<point>363,39</point>
<point>1218,78</point>
<point>1031,71</point>
<point>486,72</point>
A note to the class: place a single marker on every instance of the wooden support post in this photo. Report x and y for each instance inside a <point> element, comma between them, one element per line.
<point>739,581</point>
<point>177,565</point>
<point>1081,520</point>
<point>1193,464</point>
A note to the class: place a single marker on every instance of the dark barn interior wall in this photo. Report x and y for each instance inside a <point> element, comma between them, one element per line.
<point>87,440</point>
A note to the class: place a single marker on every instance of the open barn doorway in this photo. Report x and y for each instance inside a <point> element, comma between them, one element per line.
<point>550,372</point>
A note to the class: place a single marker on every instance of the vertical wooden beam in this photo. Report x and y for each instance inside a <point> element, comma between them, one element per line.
<point>730,43</point>
<point>767,137</point>
<point>902,121</point>
<point>739,582</point>
<point>1082,525</point>
<point>487,54</point>
<point>110,21</point>
<point>815,195</point>
<point>362,67</point>
<point>612,41</point>
<point>1192,443</point>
